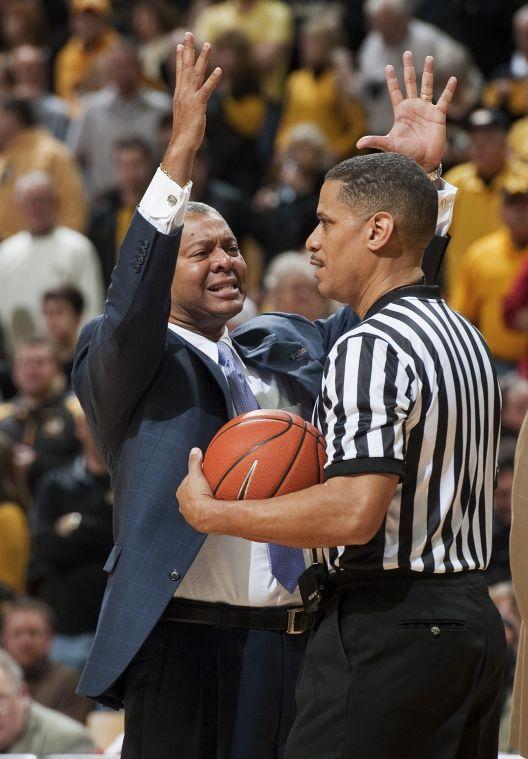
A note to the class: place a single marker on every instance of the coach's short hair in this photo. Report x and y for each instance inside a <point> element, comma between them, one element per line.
<point>203,209</point>
<point>392,183</point>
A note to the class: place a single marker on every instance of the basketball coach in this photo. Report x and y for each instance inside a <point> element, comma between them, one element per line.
<point>201,637</point>
<point>406,661</point>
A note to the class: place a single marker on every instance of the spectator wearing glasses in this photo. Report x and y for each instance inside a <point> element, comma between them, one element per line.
<point>29,728</point>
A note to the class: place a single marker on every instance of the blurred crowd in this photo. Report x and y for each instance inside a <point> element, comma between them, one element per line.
<point>85,115</point>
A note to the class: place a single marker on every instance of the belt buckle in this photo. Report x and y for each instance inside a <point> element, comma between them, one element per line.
<point>292,615</point>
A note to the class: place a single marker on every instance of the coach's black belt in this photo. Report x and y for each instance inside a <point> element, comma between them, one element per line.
<point>291,620</point>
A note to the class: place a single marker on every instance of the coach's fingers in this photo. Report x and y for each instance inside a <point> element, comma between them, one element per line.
<point>179,66</point>
<point>201,64</point>
<point>210,84</point>
<point>188,51</point>
<point>447,95</point>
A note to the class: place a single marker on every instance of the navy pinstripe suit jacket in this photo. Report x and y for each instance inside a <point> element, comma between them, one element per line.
<point>150,397</point>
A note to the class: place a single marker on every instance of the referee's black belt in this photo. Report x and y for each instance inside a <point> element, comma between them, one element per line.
<point>290,620</point>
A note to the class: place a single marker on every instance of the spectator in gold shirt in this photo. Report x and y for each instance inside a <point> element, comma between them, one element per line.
<point>487,272</point>
<point>479,182</point>
<point>92,37</point>
<point>268,24</point>
<point>25,148</point>
<point>518,139</point>
<point>321,91</point>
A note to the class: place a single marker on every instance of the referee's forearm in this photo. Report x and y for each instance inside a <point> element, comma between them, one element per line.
<point>343,511</point>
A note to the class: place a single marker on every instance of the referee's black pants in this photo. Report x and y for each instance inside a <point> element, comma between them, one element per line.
<point>402,666</point>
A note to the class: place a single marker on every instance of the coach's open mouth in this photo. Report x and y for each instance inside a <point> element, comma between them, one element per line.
<point>224,289</point>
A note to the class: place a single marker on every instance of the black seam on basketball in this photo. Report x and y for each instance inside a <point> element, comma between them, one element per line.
<point>289,421</point>
<point>255,447</point>
<point>291,462</point>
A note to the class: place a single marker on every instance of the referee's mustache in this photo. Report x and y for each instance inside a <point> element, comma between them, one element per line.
<point>314,261</point>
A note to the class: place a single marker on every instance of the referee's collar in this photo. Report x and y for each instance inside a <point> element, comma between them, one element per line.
<point>416,290</point>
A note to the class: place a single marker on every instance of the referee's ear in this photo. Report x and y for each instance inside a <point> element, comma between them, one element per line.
<point>380,228</point>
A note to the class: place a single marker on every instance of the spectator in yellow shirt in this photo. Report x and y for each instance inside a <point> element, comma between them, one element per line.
<point>268,24</point>
<point>25,148</point>
<point>320,92</point>
<point>518,139</point>
<point>508,88</point>
<point>479,182</point>
<point>489,268</point>
<point>92,37</point>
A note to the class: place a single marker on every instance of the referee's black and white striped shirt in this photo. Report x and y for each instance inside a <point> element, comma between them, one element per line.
<point>412,391</point>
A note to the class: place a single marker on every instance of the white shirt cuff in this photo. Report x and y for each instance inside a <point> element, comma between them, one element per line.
<point>446,202</point>
<point>164,203</point>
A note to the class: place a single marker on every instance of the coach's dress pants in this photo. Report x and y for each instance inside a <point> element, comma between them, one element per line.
<point>197,692</point>
<point>402,668</point>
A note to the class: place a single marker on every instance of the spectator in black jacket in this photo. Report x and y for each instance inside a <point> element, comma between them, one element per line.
<point>499,567</point>
<point>113,211</point>
<point>73,510</point>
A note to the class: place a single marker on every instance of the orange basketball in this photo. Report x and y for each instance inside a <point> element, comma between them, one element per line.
<point>262,454</point>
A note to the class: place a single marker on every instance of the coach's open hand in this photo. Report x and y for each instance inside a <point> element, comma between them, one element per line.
<point>189,104</point>
<point>195,497</point>
<point>419,129</point>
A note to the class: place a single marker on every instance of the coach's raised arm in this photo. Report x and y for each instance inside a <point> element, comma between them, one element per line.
<point>118,353</point>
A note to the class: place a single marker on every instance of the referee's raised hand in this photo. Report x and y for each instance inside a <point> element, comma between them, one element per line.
<point>189,104</point>
<point>419,129</point>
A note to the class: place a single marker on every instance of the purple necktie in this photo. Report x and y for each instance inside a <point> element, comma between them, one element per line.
<point>286,564</point>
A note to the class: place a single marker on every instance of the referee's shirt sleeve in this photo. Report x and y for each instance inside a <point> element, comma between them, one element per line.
<point>367,395</point>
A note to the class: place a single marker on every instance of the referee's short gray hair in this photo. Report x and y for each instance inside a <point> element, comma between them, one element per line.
<point>10,667</point>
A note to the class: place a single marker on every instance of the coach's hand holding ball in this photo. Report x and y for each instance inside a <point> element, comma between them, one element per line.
<point>260,454</point>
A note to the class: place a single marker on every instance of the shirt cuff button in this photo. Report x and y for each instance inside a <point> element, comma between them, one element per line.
<point>172,200</point>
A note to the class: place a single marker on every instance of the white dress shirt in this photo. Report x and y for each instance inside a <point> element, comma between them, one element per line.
<point>226,569</point>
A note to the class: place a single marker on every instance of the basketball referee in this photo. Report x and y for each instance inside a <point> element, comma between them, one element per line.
<point>406,661</point>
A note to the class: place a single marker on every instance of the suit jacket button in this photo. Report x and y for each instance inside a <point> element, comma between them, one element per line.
<point>174,575</point>
<point>144,244</point>
<point>140,259</point>
<point>137,267</point>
